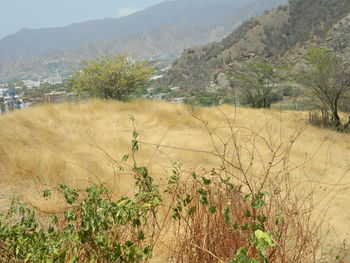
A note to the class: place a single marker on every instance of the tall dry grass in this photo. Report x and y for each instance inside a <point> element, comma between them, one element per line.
<point>78,144</point>
<point>252,188</point>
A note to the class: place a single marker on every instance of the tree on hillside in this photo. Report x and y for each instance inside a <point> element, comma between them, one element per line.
<point>255,83</point>
<point>111,77</point>
<point>327,78</point>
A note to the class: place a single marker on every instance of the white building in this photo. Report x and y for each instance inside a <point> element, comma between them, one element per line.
<point>54,79</point>
<point>31,83</point>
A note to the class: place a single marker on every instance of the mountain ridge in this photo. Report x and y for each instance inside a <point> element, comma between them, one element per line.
<point>213,19</point>
<point>267,37</point>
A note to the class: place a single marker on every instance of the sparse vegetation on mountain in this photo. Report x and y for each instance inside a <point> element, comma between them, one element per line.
<point>111,77</point>
<point>308,19</point>
<point>279,36</point>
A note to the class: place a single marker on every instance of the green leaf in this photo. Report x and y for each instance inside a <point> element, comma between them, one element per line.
<point>135,134</point>
<point>191,210</point>
<point>47,194</point>
<point>74,260</point>
<point>264,236</point>
<point>235,225</point>
<point>125,157</point>
<point>264,241</point>
<point>141,236</point>
<point>53,219</point>
<point>262,218</point>
<point>206,181</point>
<point>248,213</point>
<point>202,192</point>
<point>174,179</point>
<point>187,200</point>
<point>203,200</point>
<point>134,145</point>
<point>212,209</point>
<point>194,176</point>
<point>28,256</point>
<point>242,257</point>
<point>227,217</point>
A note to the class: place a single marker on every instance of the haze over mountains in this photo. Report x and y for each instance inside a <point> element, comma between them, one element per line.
<point>161,31</point>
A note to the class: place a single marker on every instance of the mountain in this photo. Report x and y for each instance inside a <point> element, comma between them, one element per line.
<point>282,35</point>
<point>162,30</point>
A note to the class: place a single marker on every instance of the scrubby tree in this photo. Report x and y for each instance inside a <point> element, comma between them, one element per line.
<point>327,78</point>
<point>255,83</point>
<point>111,77</point>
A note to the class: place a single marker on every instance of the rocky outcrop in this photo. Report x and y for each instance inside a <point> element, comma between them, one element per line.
<point>339,37</point>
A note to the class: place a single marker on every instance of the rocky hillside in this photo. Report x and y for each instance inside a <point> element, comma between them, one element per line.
<point>282,35</point>
<point>160,31</point>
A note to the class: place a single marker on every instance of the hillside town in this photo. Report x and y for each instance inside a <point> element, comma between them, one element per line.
<point>28,92</point>
<point>54,89</point>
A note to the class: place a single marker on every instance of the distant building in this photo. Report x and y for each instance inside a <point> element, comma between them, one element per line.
<point>31,83</point>
<point>54,79</point>
<point>55,97</point>
<point>9,103</point>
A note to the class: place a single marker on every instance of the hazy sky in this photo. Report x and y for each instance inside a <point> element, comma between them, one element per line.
<point>18,14</point>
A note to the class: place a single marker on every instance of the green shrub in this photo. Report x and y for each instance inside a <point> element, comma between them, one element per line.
<point>93,228</point>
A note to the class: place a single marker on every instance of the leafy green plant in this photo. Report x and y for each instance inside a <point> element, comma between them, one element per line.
<point>111,77</point>
<point>93,229</point>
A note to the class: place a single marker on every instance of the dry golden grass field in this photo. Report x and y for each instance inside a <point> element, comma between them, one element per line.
<point>76,145</point>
